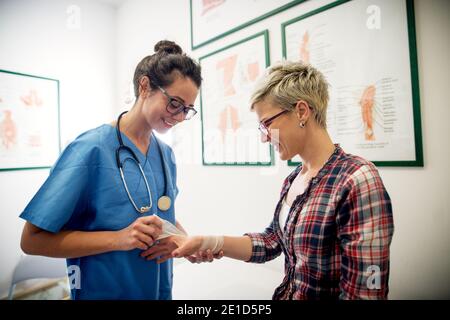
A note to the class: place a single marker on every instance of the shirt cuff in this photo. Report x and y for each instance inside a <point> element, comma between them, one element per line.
<point>258,248</point>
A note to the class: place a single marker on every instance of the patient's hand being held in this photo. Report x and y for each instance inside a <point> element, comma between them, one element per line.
<point>204,256</point>
<point>186,245</point>
<point>190,248</point>
<point>195,246</point>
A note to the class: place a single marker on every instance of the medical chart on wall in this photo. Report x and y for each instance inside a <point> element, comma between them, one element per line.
<point>364,49</point>
<point>229,128</point>
<point>29,121</point>
<point>212,19</point>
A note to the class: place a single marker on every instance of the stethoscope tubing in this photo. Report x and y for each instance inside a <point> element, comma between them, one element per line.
<point>121,147</point>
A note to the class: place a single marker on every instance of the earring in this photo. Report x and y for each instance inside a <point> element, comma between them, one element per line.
<point>302,124</point>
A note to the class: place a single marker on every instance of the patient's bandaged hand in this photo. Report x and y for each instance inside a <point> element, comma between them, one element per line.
<point>168,229</point>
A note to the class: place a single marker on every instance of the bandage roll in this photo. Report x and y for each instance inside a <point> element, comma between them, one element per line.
<point>168,229</point>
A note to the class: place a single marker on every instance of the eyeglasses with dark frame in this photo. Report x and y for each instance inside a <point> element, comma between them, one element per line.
<point>264,125</point>
<point>175,106</point>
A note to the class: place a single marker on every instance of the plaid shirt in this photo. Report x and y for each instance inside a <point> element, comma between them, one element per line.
<point>337,235</point>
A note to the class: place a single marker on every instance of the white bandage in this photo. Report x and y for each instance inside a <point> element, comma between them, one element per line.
<point>168,229</point>
<point>213,243</point>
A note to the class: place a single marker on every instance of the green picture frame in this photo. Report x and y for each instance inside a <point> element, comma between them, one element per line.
<point>29,121</point>
<point>247,22</point>
<point>211,84</point>
<point>413,72</point>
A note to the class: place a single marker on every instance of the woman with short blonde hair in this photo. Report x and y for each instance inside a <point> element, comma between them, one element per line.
<point>286,84</point>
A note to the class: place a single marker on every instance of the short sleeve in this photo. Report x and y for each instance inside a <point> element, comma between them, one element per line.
<point>63,194</point>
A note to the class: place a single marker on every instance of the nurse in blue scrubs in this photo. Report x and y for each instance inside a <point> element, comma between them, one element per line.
<point>102,221</point>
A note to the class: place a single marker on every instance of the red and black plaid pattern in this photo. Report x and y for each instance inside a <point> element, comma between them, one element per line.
<point>337,235</point>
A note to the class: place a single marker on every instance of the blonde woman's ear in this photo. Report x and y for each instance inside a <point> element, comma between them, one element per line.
<point>302,110</point>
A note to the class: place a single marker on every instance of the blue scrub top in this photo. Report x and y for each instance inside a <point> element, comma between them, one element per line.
<point>85,192</point>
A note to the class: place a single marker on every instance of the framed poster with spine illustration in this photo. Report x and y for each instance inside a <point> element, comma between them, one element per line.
<point>29,121</point>
<point>230,133</point>
<point>367,51</point>
<point>214,19</point>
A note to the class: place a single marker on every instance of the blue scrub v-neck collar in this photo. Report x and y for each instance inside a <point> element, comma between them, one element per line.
<point>129,143</point>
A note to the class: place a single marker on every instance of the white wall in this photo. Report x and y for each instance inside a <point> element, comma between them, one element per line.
<point>421,197</point>
<point>35,39</point>
<point>221,200</point>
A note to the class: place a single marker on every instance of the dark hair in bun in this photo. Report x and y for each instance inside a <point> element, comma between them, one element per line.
<point>163,67</point>
<point>166,46</point>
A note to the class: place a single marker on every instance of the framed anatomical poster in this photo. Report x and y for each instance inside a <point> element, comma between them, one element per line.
<point>367,51</point>
<point>230,133</point>
<point>29,121</point>
<point>214,19</point>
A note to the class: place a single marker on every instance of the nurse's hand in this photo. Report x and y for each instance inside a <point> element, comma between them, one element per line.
<point>141,234</point>
<point>163,248</point>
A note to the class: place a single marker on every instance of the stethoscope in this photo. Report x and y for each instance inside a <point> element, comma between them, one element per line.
<point>164,202</point>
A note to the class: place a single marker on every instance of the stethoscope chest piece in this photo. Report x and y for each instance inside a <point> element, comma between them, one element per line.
<point>164,203</point>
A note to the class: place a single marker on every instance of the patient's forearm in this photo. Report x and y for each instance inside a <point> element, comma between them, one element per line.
<point>239,248</point>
